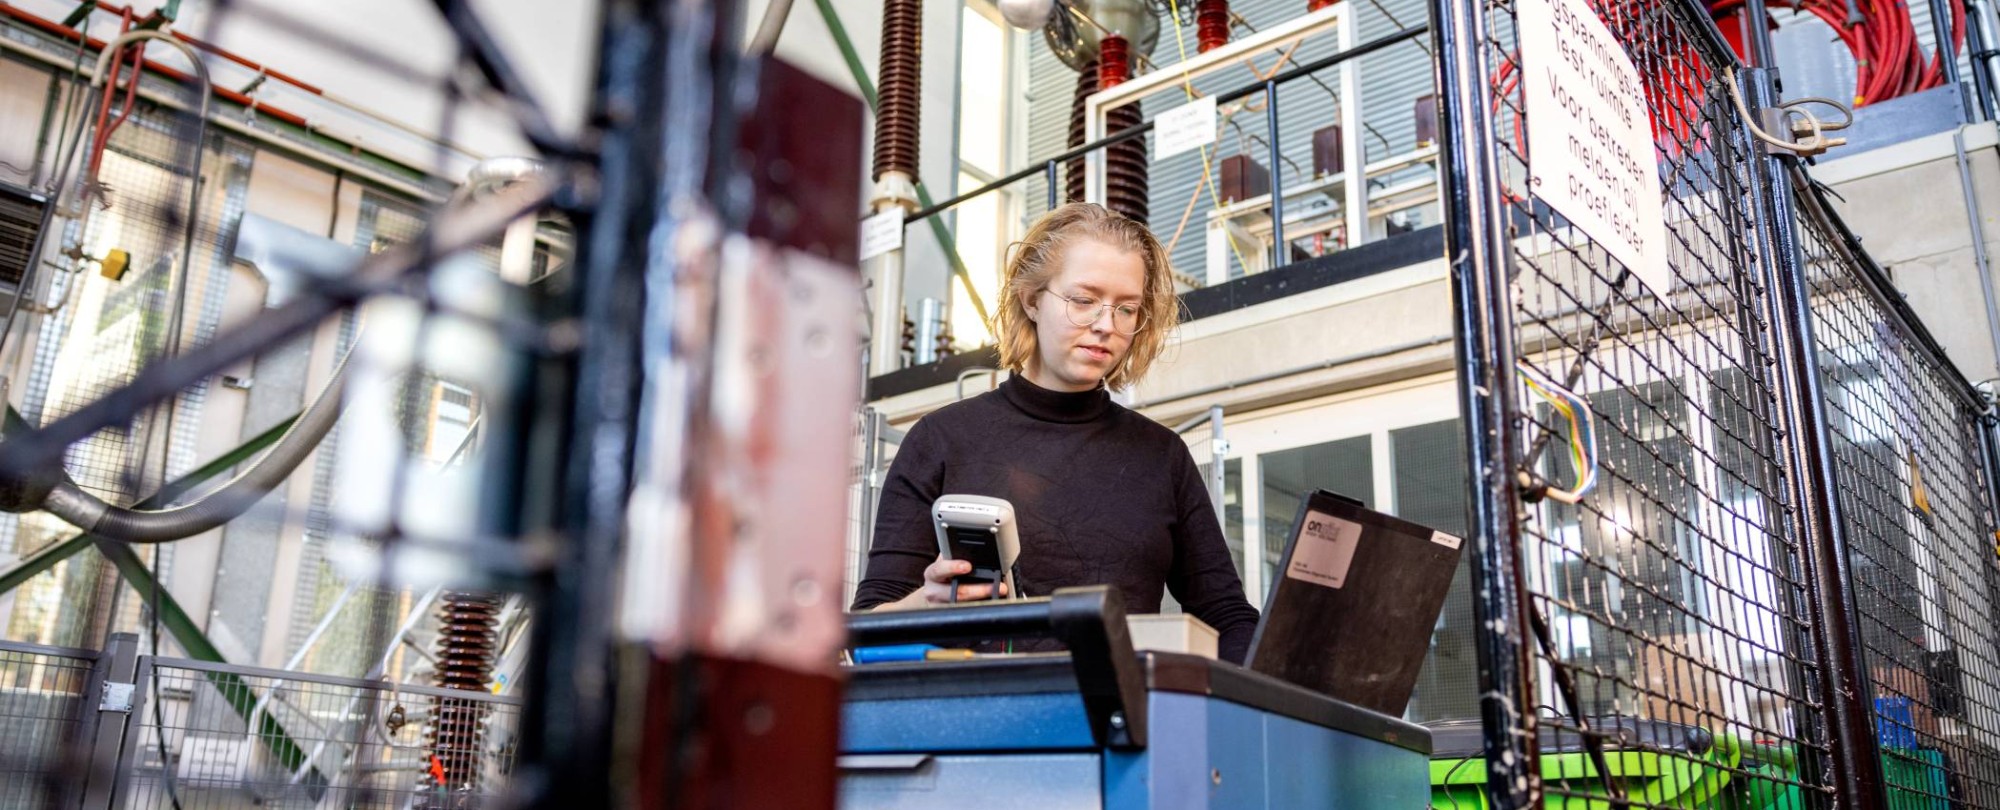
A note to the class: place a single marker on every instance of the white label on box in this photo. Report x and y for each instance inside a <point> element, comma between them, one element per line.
<point>1590,135</point>
<point>1324,551</point>
<point>1446,540</point>
<point>1189,126</point>
<point>881,233</point>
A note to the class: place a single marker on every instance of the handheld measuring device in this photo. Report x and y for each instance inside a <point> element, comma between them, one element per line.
<point>979,530</point>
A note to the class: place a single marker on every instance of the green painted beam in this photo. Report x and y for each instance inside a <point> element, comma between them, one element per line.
<point>172,616</point>
<point>79,14</point>
<point>54,553</point>
<point>860,71</point>
<point>848,53</point>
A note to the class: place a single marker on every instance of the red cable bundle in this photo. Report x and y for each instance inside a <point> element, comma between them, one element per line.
<point>1211,24</point>
<point>1674,78</point>
<point>1887,58</point>
<point>1671,70</point>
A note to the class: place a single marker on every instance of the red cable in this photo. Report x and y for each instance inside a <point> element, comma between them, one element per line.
<point>1888,61</point>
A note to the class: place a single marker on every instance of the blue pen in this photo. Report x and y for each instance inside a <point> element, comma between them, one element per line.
<point>892,653</point>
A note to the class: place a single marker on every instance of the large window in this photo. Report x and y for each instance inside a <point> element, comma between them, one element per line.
<point>1343,466</point>
<point>1430,476</point>
<point>1655,552</point>
<point>987,147</point>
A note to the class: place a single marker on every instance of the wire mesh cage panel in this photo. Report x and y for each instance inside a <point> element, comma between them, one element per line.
<point>1682,611</point>
<point>213,736</point>
<point>1671,662</point>
<point>1913,494</point>
<point>42,709</point>
<point>90,330</point>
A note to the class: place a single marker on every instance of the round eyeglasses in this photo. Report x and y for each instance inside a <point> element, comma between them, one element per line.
<point>1126,319</point>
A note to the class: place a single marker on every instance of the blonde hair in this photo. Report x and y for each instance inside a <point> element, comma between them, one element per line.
<point>1034,260</point>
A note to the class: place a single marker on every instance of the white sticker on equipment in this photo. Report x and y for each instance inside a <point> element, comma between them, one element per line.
<point>1325,550</point>
<point>881,233</point>
<point>1447,540</point>
<point>1590,135</point>
<point>1189,126</point>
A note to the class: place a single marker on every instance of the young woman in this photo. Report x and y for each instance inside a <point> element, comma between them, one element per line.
<point>1101,495</point>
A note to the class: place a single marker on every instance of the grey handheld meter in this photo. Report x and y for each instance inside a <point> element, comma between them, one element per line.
<point>979,530</point>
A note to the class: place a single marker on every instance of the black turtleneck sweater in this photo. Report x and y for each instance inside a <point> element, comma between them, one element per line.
<point>1101,495</point>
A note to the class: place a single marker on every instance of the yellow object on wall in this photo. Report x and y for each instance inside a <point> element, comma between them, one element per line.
<point>114,264</point>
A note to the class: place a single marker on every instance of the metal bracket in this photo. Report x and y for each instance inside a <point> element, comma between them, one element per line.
<point>117,697</point>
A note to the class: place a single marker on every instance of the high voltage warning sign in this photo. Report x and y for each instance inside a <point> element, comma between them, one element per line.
<point>1590,142</point>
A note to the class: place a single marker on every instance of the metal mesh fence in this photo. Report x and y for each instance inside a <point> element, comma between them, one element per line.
<point>224,736</point>
<point>42,709</point>
<point>1674,616</point>
<point>1670,662</point>
<point>1666,592</point>
<point>1914,501</point>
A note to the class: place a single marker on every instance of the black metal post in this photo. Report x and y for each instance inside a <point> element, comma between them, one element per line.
<point>583,422</point>
<point>1055,197</point>
<point>1979,56</point>
<point>1476,246</point>
<point>1845,687</point>
<point>1941,34</point>
<point>1279,254</point>
<point>1756,21</point>
<point>1989,468</point>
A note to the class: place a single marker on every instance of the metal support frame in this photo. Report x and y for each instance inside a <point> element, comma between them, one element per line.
<point>1338,17</point>
<point>1948,57</point>
<point>1280,255</point>
<point>1218,452</point>
<point>1979,55</point>
<point>1989,467</point>
<point>1476,246</point>
<point>583,423</point>
<point>872,423</point>
<point>117,669</point>
<point>1845,688</point>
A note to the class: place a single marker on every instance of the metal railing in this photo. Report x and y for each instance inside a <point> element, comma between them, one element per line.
<point>43,709</point>
<point>79,728</point>
<point>1267,209</point>
<point>1776,585</point>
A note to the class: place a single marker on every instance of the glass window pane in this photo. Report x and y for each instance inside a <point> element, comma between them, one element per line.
<point>979,243</point>
<point>1232,507</point>
<point>1430,478</point>
<point>982,99</point>
<point>1344,466</point>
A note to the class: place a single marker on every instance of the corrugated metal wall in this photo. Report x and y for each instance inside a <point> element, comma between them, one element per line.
<point>1391,81</point>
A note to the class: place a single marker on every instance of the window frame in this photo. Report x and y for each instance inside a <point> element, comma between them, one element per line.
<point>1011,212</point>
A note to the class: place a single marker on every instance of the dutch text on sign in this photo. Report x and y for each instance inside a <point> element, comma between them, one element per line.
<point>1590,141</point>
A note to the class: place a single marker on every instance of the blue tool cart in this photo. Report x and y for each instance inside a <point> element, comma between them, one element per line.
<point>1101,726</point>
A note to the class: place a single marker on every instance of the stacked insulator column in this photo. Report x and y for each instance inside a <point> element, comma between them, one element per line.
<point>1211,24</point>
<point>1086,83</point>
<point>1125,172</point>
<point>1114,62</point>
<point>898,113</point>
<point>466,643</point>
<point>1127,186</point>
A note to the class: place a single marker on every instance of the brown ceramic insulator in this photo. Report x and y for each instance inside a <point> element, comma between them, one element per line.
<point>1126,170</point>
<point>466,644</point>
<point>1315,5</point>
<point>1125,167</point>
<point>1086,83</point>
<point>898,112</point>
<point>1114,61</point>
<point>1211,24</point>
